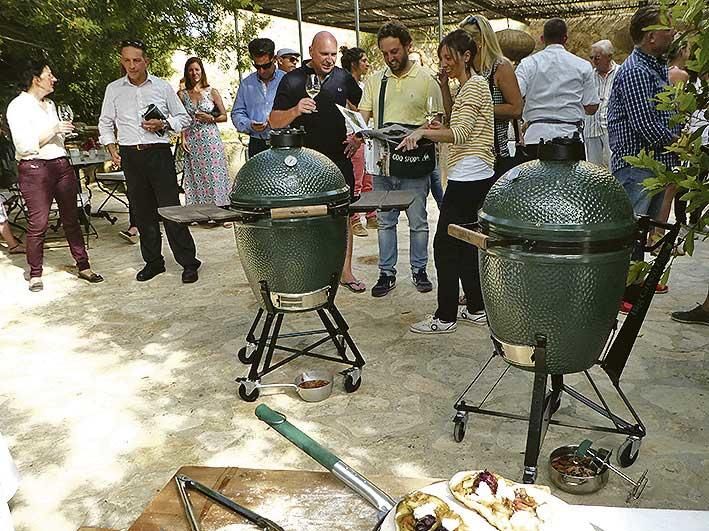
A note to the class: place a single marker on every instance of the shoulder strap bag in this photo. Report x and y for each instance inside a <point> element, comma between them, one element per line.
<point>419,162</point>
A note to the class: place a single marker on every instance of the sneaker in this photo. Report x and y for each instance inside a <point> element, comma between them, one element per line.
<point>36,284</point>
<point>372,223</point>
<point>420,280</point>
<point>625,307</point>
<point>477,318</point>
<point>696,316</point>
<point>384,285</point>
<point>432,325</point>
<point>358,229</point>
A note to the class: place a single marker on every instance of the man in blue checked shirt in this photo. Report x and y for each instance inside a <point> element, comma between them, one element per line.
<point>634,122</point>
<point>254,98</point>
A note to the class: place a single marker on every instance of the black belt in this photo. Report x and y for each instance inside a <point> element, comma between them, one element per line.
<point>553,121</point>
<point>144,147</point>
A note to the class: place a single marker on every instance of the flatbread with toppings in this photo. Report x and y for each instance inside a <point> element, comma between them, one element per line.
<point>505,505</point>
<point>423,512</point>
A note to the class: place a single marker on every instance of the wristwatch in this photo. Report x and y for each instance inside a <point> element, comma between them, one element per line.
<point>165,125</point>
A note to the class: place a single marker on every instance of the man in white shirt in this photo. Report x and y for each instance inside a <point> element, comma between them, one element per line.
<point>595,132</point>
<point>146,157</point>
<point>557,88</point>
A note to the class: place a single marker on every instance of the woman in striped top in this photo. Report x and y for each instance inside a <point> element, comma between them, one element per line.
<point>471,159</point>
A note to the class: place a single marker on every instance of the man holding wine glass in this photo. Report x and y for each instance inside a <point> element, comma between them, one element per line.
<point>401,93</point>
<point>307,97</point>
<point>142,108</point>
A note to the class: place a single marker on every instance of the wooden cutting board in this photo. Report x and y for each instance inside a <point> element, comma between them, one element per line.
<point>296,500</point>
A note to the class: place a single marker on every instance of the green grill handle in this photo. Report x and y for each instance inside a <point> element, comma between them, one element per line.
<point>583,448</point>
<point>279,423</point>
<point>341,470</point>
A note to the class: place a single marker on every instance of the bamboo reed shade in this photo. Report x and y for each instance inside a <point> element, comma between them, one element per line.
<point>424,13</point>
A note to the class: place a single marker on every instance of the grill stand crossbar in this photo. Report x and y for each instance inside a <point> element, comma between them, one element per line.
<point>261,345</point>
<point>546,402</point>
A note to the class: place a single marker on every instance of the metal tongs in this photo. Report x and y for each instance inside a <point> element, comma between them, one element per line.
<point>601,459</point>
<point>183,483</point>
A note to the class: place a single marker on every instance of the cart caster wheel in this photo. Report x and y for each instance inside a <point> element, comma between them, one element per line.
<point>248,397</point>
<point>243,358</point>
<point>246,354</point>
<point>351,385</point>
<point>458,430</point>
<point>628,452</point>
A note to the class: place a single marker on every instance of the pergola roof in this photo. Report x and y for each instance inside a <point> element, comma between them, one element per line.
<point>424,13</point>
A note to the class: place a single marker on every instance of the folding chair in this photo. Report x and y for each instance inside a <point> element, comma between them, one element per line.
<point>111,183</point>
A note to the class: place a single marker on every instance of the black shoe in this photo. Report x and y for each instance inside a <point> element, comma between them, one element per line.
<point>420,280</point>
<point>696,316</point>
<point>149,272</point>
<point>384,285</point>
<point>189,275</point>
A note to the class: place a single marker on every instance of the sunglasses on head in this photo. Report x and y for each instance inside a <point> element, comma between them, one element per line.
<point>133,44</point>
<point>264,66</point>
<point>472,20</point>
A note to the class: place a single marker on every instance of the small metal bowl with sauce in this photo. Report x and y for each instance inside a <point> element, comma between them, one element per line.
<point>311,385</point>
<point>574,474</point>
<point>314,386</point>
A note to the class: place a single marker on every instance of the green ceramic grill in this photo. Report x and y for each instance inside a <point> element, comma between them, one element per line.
<point>293,203</point>
<point>555,237</point>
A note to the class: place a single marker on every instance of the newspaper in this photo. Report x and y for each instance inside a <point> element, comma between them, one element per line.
<point>390,134</point>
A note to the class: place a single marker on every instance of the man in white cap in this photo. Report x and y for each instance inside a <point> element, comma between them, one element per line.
<point>287,59</point>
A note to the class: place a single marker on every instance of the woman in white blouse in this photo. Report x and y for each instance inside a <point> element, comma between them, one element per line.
<point>45,174</point>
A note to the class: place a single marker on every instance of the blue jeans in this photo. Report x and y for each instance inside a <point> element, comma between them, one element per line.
<point>418,224</point>
<point>631,179</point>
<point>437,187</point>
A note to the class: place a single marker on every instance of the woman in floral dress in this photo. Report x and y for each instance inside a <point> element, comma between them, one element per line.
<point>206,175</point>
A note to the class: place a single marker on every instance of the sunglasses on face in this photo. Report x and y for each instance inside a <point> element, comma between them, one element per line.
<point>290,58</point>
<point>133,44</point>
<point>264,66</point>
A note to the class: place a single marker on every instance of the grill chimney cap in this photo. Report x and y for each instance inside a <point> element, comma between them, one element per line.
<point>288,137</point>
<point>562,148</point>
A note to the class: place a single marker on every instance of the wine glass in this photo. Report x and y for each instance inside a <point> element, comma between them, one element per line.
<point>66,114</point>
<point>312,86</point>
<point>430,110</point>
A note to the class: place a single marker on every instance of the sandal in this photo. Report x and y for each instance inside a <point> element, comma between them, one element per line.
<point>355,286</point>
<point>93,278</point>
<point>17,249</point>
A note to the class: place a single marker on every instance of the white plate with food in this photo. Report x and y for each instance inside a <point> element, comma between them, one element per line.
<point>482,501</point>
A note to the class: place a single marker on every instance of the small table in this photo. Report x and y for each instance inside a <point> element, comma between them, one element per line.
<point>79,160</point>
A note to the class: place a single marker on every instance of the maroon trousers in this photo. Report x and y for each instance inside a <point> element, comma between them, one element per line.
<point>41,182</point>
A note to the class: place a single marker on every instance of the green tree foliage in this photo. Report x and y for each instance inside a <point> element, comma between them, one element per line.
<point>692,19</point>
<point>79,39</point>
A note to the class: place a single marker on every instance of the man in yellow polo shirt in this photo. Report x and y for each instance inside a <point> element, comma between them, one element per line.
<point>407,91</point>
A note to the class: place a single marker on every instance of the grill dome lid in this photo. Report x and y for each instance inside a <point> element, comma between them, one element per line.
<point>557,200</point>
<point>288,175</point>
